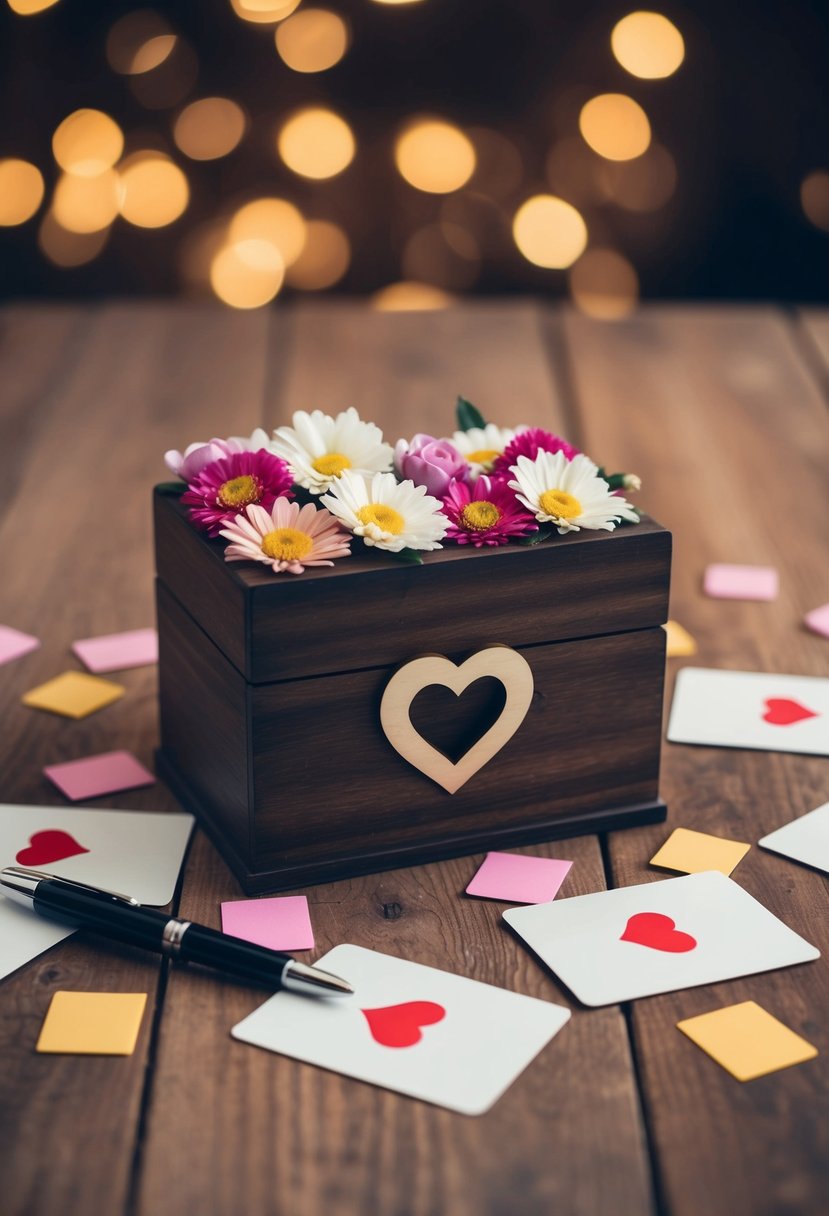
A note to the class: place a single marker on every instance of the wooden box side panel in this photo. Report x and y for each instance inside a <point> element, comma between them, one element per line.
<point>204,723</point>
<point>327,783</point>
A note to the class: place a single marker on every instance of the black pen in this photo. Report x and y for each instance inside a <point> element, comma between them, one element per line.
<point>125,920</point>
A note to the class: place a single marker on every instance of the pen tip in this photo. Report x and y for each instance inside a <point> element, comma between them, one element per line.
<point>299,977</point>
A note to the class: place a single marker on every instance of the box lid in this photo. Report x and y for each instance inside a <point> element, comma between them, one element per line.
<point>372,611</point>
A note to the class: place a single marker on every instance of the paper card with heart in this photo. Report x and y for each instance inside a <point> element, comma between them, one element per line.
<point>439,1037</point>
<point>750,709</point>
<point>657,937</point>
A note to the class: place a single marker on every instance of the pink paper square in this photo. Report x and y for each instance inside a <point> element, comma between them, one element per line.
<point>741,582</point>
<point>818,620</point>
<point>13,643</point>
<point>96,775</point>
<point>118,651</point>
<point>518,879</point>
<point>280,923</point>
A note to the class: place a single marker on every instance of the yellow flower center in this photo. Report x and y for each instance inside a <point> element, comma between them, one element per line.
<point>484,456</point>
<point>559,504</point>
<point>286,544</point>
<point>239,491</point>
<point>385,518</point>
<point>331,464</point>
<point>480,515</point>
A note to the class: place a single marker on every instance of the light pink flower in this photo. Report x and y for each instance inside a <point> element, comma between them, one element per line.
<point>433,463</point>
<point>287,538</point>
<point>189,463</point>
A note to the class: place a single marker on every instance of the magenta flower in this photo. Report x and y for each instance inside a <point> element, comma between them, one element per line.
<point>486,513</point>
<point>529,443</point>
<point>223,488</point>
<point>433,463</point>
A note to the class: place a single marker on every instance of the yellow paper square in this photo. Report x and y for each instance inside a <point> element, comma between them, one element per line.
<point>74,694</point>
<point>680,644</point>
<point>694,852</point>
<point>746,1040</point>
<point>92,1023</point>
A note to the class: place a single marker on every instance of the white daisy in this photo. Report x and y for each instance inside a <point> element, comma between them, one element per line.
<point>318,448</point>
<point>568,493</point>
<point>481,446</point>
<point>389,514</point>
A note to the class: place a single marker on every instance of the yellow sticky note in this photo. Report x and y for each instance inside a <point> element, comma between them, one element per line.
<point>680,644</point>
<point>92,1023</point>
<point>694,852</point>
<point>747,1041</point>
<point>74,694</point>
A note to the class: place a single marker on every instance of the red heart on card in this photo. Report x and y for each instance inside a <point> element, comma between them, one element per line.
<point>781,711</point>
<point>658,932</point>
<point>399,1025</point>
<point>51,845</point>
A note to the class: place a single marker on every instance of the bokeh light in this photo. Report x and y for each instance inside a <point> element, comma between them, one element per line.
<point>129,36</point>
<point>647,45</point>
<point>247,274</point>
<point>209,128</point>
<point>410,297</point>
<point>434,156</point>
<point>152,190</point>
<point>312,40</point>
<point>86,204</point>
<point>69,249</point>
<point>87,142</point>
<point>316,143</point>
<point>264,12</point>
<point>549,232</point>
<point>28,8</point>
<point>151,54</point>
<point>443,254</point>
<point>643,184</point>
<point>274,220</point>
<point>170,80</point>
<point>615,126</point>
<point>21,191</point>
<point>325,257</point>
<point>604,285</point>
<point>499,169</point>
<point>814,198</point>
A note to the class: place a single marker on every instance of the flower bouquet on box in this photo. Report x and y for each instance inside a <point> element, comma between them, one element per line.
<point>304,495</point>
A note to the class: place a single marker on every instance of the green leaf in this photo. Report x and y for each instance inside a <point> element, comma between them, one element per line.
<point>409,557</point>
<point>535,538</point>
<point>468,416</point>
<point>616,481</point>
<point>171,487</point>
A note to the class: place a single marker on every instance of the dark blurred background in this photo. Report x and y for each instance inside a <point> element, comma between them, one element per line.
<point>415,150</point>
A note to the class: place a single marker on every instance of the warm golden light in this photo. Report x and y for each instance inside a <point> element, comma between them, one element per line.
<point>210,128</point>
<point>647,45</point>
<point>28,8</point>
<point>313,40</point>
<point>21,191</point>
<point>87,142</point>
<point>324,259</point>
<point>65,248</point>
<point>153,192</point>
<point>814,198</point>
<point>615,126</point>
<point>643,184</point>
<point>170,80</point>
<point>549,232</point>
<point>434,156</point>
<point>410,297</point>
<point>152,54</point>
<point>270,219</point>
<point>264,12</point>
<point>444,254</point>
<point>316,143</point>
<point>129,36</point>
<point>247,274</point>
<point>86,204</point>
<point>604,285</point>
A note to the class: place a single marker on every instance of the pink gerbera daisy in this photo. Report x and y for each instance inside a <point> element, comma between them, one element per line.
<point>225,487</point>
<point>529,443</point>
<point>286,538</point>
<point>486,513</point>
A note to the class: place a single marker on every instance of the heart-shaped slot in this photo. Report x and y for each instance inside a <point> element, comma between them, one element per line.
<point>454,722</point>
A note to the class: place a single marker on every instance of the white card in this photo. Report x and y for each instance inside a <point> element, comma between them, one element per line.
<point>751,709</point>
<point>805,839</point>
<point>432,1035</point>
<point>129,852</point>
<point>657,937</point>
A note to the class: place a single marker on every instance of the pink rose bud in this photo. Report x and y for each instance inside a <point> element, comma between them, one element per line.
<point>433,463</point>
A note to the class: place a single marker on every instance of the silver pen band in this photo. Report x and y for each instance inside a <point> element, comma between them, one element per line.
<point>174,931</point>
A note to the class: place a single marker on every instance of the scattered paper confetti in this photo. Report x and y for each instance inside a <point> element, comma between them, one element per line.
<point>741,582</point>
<point>280,923</point>
<point>818,620</point>
<point>746,1040</point>
<point>13,643</point>
<point>74,694</point>
<point>93,776</point>
<point>92,1023</point>
<point>518,879</point>
<point>118,651</point>
<point>691,852</point>
<point>680,644</point>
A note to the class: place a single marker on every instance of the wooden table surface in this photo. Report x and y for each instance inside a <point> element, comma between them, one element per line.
<point>722,411</point>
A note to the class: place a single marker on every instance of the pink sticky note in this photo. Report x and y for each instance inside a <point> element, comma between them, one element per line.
<point>95,775</point>
<point>741,582</point>
<point>117,651</point>
<point>280,923</point>
<point>13,643</point>
<point>518,879</point>
<point>818,620</point>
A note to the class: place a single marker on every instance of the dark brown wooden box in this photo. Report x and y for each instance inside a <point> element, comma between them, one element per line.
<point>270,691</point>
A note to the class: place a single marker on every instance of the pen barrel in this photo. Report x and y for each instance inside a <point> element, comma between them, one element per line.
<point>244,960</point>
<point>99,912</point>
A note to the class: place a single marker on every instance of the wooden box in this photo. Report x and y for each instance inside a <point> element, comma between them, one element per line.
<point>271,688</point>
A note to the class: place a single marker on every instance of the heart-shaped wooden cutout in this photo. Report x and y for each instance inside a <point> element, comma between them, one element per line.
<point>506,665</point>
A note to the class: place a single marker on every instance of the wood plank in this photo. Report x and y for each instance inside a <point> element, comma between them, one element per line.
<point>813,327</point>
<point>102,389</point>
<point>270,1135</point>
<point>722,419</point>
